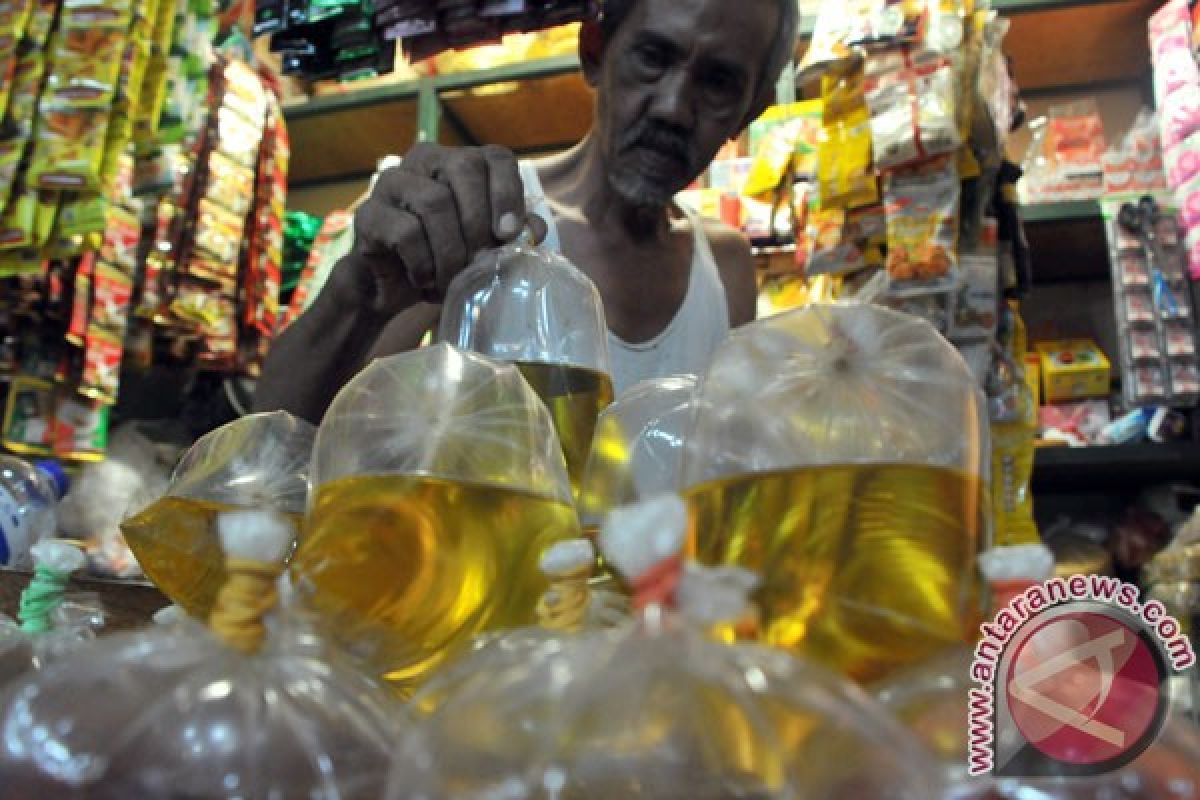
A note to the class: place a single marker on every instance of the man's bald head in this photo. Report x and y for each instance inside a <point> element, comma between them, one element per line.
<point>778,55</point>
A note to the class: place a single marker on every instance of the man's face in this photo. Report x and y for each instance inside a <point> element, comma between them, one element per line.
<point>676,82</point>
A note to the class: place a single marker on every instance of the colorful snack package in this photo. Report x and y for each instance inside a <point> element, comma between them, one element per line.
<point>1145,385</point>
<point>229,184</point>
<point>28,416</point>
<point>112,292</point>
<point>846,241</point>
<point>845,27</point>
<point>1185,383</point>
<point>122,232</point>
<point>14,16</point>
<point>922,221</point>
<point>237,138</point>
<point>18,222</point>
<point>69,152</point>
<point>80,430</point>
<point>219,233</point>
<point>913,109</point>
<point>8,68</point>
<point>844,176</point>
<point>1133,270</point>
<point>87,67</point>
<point>41,22</point>
<point>81,302</point>
<point>975,304</point>
<point>11,151</point>
<point>27,82</point>
<point>101,365</point>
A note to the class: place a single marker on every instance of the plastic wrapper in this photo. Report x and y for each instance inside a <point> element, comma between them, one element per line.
<point>258,461</point>
<point>846,28</point>
<point>840,452</point>
<point>532,308</point>
<point>922,221</point>
<point>913,109</point>
<point>178,712</point>
<point>638,449</point>
<point>844,173</point>
<point>1065,159</point>
<point>654,708</point>
<point>438,481</point>
<point>932,701</point>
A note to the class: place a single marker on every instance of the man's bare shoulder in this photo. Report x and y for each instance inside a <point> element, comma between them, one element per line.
<point>735,262</point>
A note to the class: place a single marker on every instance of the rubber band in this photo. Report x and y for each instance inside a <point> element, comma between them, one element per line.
<point>43,594</point>
<point>244,600</point>
<point>564,606</point>
<point>658,584</point>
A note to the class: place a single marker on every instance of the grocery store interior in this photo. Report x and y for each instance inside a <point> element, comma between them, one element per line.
<point>286,559</point>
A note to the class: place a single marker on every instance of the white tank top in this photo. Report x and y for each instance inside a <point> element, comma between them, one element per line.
<point>687,344</point>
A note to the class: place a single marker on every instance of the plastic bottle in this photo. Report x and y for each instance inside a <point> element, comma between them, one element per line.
<point>29,494</point>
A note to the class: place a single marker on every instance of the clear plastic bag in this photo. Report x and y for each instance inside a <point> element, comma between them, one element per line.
<point>258,461</point>
<point>638,449</point>
<point>841,453</point>
<point>178,712</point>
<point>437,483</point>
<point>651,710</point>
<point>932,701</point>
<point>532,308</point>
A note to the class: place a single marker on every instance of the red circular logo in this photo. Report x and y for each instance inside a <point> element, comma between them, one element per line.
<point>1085,688</point>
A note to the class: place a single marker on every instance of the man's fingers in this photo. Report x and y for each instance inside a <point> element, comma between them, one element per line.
<point>467,178</point>
<point>505,193</point>
<point>433,203</point>
<point>394,243</point>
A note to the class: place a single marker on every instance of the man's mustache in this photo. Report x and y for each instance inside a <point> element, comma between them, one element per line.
<point>659,137</point>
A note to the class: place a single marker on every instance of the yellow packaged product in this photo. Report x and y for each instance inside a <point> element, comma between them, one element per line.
<point>846,29</point>
<point>17,223</point>
<point>69,151</point>
<point>22,105</point>
<point>14,16</point>
<point>844,175</point>
<point>8,68</point>
<point>1014,426</point>
<point>86,67</point>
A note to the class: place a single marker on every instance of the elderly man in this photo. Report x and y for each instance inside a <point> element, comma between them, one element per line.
<point>674,80</point>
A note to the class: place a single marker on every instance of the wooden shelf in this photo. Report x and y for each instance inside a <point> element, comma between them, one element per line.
<point>545,105</point>
<point>1067,241</point>
<point>1128,467</point>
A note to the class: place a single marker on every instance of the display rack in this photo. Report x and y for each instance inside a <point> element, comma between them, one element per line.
<point>545,105</point>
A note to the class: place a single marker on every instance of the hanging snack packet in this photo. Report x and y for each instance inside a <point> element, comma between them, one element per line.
<point>846,241</point>
<point>922,222</point>
<point>913,109</point>
<point>845,27</point>
<point>844,175</point>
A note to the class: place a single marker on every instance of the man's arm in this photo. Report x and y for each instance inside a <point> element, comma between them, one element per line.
<point>735,263</point>
<point>422,224</point>
<point>319,352</point>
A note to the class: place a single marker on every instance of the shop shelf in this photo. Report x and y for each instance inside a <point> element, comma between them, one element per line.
<point>1128,467</point>
<point>545,105</point>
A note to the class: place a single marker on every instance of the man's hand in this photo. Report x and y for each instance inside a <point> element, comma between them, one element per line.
<point>427,218</point>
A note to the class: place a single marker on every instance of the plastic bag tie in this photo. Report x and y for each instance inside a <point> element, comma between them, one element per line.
<point>248,594</point>
<point>43,594</point>
<point>657,586</point>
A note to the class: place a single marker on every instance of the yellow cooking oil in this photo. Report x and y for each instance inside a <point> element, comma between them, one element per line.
<point>864,567</point>
<point>175,541</point>
<point>404,569</point>
<point>574,396</point>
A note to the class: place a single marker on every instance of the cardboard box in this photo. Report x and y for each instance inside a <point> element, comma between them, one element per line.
<point>1073,369</point>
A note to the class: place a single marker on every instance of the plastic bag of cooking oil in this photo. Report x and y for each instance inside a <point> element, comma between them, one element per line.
<point>932,700</point>
<point>638,448</point>
<point>51,622</point>
<point>438,481</point>
<point>532,308</point>
<point>258,461</point>
<point>653,709</point>
<point>840,452</point>
<point>257,708</point>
